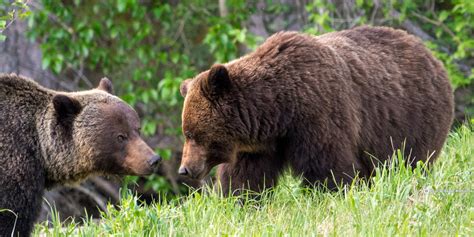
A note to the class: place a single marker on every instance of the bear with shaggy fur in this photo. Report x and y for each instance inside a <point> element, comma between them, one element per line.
<point>329,107</point>
<point>49,138</point>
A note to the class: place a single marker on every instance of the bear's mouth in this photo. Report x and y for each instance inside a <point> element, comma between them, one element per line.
<point>202,175</point>
<point>198,175</point>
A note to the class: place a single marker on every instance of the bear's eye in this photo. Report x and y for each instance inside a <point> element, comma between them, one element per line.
<point>188,135</point>
<point>121,138</point>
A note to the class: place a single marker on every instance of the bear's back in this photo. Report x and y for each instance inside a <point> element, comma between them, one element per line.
<point>402,90</point>
<point>21,100</point>
<point>17,90</point>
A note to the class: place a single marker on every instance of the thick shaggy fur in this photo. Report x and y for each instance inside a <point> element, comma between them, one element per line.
<point>329,107</point>
<point>49,137</point>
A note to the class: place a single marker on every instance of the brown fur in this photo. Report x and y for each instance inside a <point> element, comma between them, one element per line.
<point>49,138</point>
<point>319,105</point>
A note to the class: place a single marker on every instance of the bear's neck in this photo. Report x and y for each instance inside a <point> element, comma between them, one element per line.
<point>63,167</point>
<point>263,110</point>
<point>60,153</point>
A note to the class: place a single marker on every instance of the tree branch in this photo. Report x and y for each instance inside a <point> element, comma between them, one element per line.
<point>223,12</point>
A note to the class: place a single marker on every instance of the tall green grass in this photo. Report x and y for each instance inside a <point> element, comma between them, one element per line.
<point>399,201</point>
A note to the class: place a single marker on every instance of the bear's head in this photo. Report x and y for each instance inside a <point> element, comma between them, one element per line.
<point>207,122</point>
<point>94,132</point>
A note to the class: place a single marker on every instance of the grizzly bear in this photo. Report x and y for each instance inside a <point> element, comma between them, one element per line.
<point>49,138</point>
<point>329,108</point>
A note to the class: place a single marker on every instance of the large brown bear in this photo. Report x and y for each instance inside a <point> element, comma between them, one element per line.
<point>49,138</point>
<point>328,107</point>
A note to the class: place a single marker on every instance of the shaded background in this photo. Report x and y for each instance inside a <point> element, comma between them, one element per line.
<point>148,47</point>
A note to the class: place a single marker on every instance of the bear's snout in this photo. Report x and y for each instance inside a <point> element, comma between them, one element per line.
<point>154,161</point>
<point>183,171</point>
<point>140,159</point>
<point>194,172</point>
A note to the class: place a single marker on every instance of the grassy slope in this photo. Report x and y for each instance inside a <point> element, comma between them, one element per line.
<point>400,202</point>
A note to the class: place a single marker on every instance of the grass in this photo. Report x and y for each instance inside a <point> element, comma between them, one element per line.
<point>400,202</point>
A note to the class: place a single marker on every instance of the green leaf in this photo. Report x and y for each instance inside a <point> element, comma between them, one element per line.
<point>89,34</point>
<point>443,16</point>
<point>2,38</point>
<point>154,94</point>
<point>241,36</point>
<point>165,153</point>
<point>459,27</point>
<point>149,128</point>
<point>114,32</point>
<point>175,58</point>
<point>121,4</point>
<point>57,67</point>
<point>24,14</point>
<point>225,39</point>
<point>45,63</point>
<point>145,97</point>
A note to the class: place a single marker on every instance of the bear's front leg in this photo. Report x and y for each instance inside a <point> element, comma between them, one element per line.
<point>325,165</point>
<point>21,191</point>
<point>251,172</point>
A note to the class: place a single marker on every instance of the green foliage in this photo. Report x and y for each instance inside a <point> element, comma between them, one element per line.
<point>455,28</point>
<point>319,17</point>
<point>225,37</point>
<point>9,12</point>
<point>398,202</point>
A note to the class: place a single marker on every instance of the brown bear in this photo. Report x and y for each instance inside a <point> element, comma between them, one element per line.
<point>328,107</point>
<point>49,138</point>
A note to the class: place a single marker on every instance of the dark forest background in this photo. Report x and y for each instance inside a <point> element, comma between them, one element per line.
<point>148,47</point>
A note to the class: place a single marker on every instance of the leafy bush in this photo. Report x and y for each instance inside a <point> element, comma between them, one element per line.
<point>10,12</point>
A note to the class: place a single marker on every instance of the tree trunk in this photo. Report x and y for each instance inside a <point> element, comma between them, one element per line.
<point>23,57</point>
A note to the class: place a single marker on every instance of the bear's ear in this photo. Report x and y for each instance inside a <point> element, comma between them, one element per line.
<point>66,108</point>
<point>217,82</point>
<point>184,87</point>
<point>106,85</point>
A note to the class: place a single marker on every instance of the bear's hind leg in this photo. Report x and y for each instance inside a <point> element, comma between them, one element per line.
<point>252,172</point>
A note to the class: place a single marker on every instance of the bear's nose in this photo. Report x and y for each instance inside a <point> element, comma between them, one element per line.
<point>156,159</point>
<point>183,171</point>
